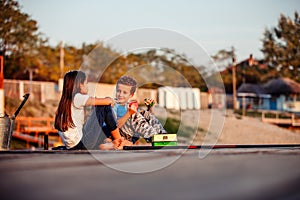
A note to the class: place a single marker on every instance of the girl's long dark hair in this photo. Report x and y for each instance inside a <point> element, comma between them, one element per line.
<point>63,117</point>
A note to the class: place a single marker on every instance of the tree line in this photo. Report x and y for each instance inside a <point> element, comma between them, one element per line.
<point>23,47</point>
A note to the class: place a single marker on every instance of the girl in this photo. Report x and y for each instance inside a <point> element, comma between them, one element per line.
<point>69,118</point>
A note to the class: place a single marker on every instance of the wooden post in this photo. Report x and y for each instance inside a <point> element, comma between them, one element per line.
<point>43,98</point>
<point>2,85</point>
<point>21,90</point>
<point>293,119</point>
<point>234,83</point>
<point>62,65</point>
<point>244,105</point>
<point>31,70</point>
<point>262,116</point>
<point>61,61</point>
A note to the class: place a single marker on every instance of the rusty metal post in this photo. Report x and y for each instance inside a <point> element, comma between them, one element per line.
<point>46,142</point>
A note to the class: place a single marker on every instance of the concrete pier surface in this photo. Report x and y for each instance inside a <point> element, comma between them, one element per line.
<point>259,173</point>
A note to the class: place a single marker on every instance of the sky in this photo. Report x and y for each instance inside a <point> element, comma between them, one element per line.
<point>212,24</point>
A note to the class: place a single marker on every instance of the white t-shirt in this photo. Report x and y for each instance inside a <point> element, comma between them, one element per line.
<point>73,135</point>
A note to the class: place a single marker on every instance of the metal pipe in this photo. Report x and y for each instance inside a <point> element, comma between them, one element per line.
<point>221,146</point>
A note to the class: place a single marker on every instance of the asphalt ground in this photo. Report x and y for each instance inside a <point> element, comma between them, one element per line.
<point>256,173</point>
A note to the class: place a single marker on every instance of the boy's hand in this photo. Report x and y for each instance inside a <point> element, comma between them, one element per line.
<point>149,102</point>
<point>133,108</point>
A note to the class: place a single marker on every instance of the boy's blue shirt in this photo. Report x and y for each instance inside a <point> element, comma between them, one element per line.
<point>120,110</point>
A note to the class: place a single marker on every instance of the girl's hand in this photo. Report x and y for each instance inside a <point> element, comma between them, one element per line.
<point>110,101</point>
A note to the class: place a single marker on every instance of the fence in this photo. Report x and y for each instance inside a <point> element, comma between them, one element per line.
<point>280,118</point>
<point>40,91</point>
<point>188,98</point>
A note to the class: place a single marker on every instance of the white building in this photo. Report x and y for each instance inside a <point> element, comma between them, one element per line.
<point>179,98</point>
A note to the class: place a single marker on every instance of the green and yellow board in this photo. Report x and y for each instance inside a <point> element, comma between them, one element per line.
<point>164,140</point>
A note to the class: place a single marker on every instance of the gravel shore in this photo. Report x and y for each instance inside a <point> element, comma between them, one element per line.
<point>225,127</point>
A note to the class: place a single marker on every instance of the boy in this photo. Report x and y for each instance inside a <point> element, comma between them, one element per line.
<point>132,122</point>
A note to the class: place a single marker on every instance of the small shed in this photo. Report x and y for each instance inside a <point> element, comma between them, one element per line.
<point>285,94</point>
<point>252,90</point>
<point>253,96</point>
<point>282,86</point>
<point>276,94</point>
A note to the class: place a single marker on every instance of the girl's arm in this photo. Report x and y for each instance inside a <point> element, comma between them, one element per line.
<point>93,101</point>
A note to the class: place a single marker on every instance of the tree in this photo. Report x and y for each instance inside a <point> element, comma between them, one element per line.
<point>224,59</point>
<point>162,64</point>
<point>281,47</point>
<point>49,57</point>
<point>17,30</point>
<point>18,37</point>
<point>99,63</point>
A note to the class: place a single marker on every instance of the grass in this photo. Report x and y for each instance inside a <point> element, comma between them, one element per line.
<point>172,125</point>
<point>17,144</point>
<point>30,108</point>
<point>249,113</point>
